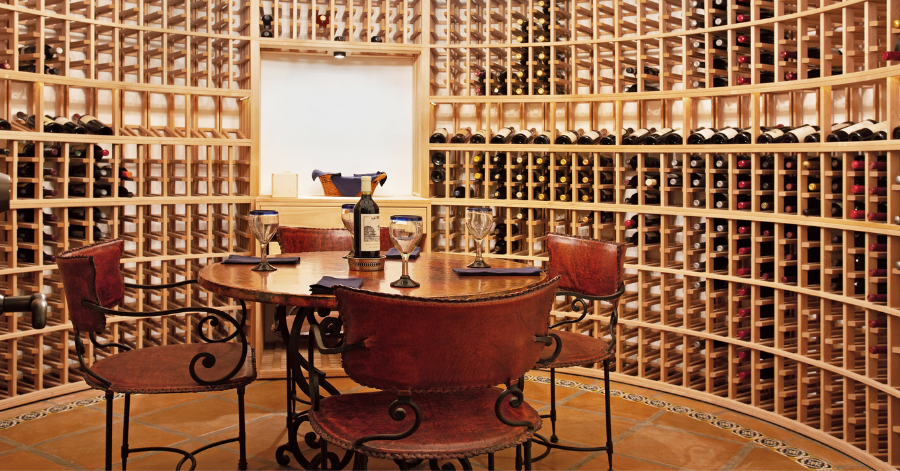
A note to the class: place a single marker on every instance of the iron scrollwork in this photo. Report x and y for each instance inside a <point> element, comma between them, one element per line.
<point>398,413</point>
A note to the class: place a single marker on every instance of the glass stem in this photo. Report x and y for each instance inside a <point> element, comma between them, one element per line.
<point>264,250</point>
<point>478,248</point>
<point>405,258</point>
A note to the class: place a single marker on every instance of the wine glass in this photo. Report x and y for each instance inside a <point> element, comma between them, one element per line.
<point>479,221</point>
<point>347,219</point>
<point>263,224</point>
<point>406,232</point>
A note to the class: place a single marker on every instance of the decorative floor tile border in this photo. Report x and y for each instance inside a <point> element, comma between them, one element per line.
<point>803,458</point>
<point>34,415</point>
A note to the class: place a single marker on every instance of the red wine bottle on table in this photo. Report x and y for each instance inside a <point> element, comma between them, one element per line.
<point>366,226</point>
<point>92,124</point>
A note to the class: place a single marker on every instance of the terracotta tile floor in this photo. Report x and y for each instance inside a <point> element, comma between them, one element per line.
<point>651,431</point>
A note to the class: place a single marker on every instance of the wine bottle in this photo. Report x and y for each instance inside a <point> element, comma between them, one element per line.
<point>637,137</point>
<point>460,192</point>
<point>439,136</point>
<point>773,135</point>
<point>68,126</point>
<point>80,232</point>
<point>610,139</point>
<point>569,137</point>
<point>26,170</point>
<point>92,124</point>
<point>438,159</point>
<point>438,175</point>
<point>27,190</point>
<point>843,134</point>
<point>720,161</point>
<point>82,151</point>
<point>546,137</point>
<point>701,135</point>
<point>80,170</point>
<point>28,256</point>
<point>480,137</point>
<point>80,190</point>
<point>366,226</point>
<point>591,137</point>
<point>503,136</point>
<point>876,132</point>
<point>48,125</point>
<point>30,236</point>
<point>660,137</point>
<point>524,136</point>
<point>80,214</point>
<point>725,135</point>
<point>462,136</point>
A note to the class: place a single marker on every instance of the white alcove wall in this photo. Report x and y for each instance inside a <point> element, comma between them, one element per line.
<point>350,115</point>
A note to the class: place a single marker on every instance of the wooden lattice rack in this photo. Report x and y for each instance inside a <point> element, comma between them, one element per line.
<point>814,353</point>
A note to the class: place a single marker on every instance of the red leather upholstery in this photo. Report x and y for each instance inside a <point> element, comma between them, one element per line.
<point>309,239</point>
<point>442,345</point>
<point>165,369</point>
<point>587,266</point>
<point>92,273</point>
<point>454,425</point>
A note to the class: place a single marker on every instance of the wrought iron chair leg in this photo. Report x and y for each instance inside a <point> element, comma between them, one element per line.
<point>609,444</point>
<point>553,437</point>
<point>518,457</point>
<point>242,432</point>
<point>323,464</point>
<point>109,428</point>
<point>528,455</point>
<point>490,462</point>
<point>360,461</point>
<point>125,431</point>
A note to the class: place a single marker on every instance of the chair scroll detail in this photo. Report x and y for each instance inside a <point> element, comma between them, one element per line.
<point>433,404</point>
<point>94,285</point>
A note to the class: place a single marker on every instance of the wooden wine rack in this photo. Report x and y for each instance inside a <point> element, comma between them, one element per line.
<point>803,363</point>
<point>171,79</point>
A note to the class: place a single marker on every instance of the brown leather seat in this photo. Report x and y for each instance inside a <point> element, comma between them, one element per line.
<point>439,360</point>
<point>589,270</point>
<point>311,239</point>
<point>93,284</point>
<point>473,428</point>
<point>128,371</point>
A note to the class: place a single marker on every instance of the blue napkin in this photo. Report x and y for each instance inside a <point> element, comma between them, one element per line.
<point>327,283</point>
<point>394,253</point>
<point>244,260</point>
<point>523,271</point>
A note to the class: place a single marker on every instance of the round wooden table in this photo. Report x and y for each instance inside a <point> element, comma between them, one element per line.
<point>288,286</point>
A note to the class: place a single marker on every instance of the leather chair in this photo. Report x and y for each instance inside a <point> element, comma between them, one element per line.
<point>310,239</point>
<point>93,285</point>
<point>436,363</point>
<point>589,270</point>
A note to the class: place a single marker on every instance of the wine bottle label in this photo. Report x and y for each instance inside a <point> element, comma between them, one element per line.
<point>504,132</point>
<point>664,131</point>
<point>729,133</point>
<point>593,135</point>
<point>47,120</point>
<point>86,118</point>
<point>639,133</point>
<point>61,121</point>
<point>775,134</point>
<point>371,233</point>
<point>706,133</point>
<point>856,127</point>
<point>802,132</point>
<point>571,135</point>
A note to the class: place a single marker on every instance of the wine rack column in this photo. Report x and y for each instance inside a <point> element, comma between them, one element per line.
<point>758,276</point>
<point>169,174</point>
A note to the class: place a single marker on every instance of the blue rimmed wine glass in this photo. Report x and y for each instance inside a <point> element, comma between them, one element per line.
<point>479,221</point>
<point>406,232</point>
<point>347,219</point>
<point>263,224</point>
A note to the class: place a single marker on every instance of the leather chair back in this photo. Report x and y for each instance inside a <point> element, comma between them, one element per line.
<point>311,239</point>
<point>587,266</point>
<point>92,273</point>
<point>417,344</point>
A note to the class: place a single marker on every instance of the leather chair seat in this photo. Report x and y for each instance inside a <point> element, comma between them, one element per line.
<point>165,369</point>
<point>454,425</point>
<point>577,350</point>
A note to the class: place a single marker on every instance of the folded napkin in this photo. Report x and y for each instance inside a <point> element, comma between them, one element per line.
<point>327,283</point>
<point>523,271</point>
<point>244,260</point>
<point>394,253</point>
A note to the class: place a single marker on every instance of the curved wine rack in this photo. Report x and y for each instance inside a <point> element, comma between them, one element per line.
<point>170,78</point>
<point>749,288</point>
<point>817,352</point>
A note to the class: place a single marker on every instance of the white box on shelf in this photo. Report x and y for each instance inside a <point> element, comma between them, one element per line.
<point>285,185</point>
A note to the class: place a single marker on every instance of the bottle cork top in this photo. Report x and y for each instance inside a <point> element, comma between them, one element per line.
<point>366,184</point>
